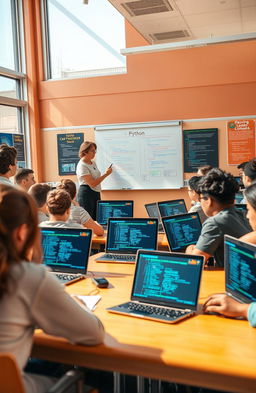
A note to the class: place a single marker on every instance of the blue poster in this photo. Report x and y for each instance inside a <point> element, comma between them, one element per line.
<point>68,148</point>
<point>16,140</point>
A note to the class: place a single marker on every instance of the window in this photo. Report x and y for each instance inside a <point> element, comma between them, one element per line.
<point>12,79</point>
<point>82,39</point>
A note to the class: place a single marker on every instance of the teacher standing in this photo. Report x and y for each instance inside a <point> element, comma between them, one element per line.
<point>89,178</point>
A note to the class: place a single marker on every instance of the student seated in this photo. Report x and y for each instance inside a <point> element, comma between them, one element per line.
<point>193,193</point>
<point>249,175</point>
<point>39,193</point>
<point>217,194</point>
<point>77,213</point>
<point>224,304</point>
<point>58,205</point>
<point>8,163</point>
<point>30,296</point>
<point>24,178</point>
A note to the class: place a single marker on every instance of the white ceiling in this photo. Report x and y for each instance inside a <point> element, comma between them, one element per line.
<point>160,21</point>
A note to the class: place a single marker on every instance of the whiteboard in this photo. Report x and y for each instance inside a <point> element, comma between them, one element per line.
<point>144,155</point>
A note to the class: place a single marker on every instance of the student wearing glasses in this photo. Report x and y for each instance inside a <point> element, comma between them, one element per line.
<point>217,194</point>
<point>224,304</point>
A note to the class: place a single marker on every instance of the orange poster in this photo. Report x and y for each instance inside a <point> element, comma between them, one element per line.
<point>241,141</point>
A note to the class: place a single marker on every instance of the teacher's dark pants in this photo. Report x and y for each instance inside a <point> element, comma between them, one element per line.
<point>87,198</point>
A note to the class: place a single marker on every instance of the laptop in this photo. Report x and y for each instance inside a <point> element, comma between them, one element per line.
<point>182,230</point>
<point>126,235</point>
<point>171,208</point>
<point>240,269</point>
<point>165,287</point>
<point>66,251</point>
<point>153,211</point>
<point>107,209</point>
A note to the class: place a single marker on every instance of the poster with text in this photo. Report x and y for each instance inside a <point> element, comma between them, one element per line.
<point>16,140</point>
<point>200,148</point>
<point>241,141</point>
<point>68,148</point>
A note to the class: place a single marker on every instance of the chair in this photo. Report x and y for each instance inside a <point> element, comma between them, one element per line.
<point>11,381</point>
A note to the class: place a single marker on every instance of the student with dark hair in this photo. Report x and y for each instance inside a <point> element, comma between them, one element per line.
<point>222,303</point>
<point>24,178</point>
<point>77,213</point>
<point>217,194</point>
<point>30,296</point>
<point>89,178</point>
<point>240,168</point>
<point>203,170</point>
<point>8,163</point>
<point>193,193</point>
<point>249,175</point>
<point>58,205</point>
<point>39,193</point>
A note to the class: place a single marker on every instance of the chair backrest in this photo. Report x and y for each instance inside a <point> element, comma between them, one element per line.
<point>10,378</point>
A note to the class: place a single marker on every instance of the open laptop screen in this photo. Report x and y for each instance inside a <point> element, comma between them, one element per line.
<point>182,230</point>
<point>167,279</point>
<point>128,235</point>
<point>66,249</point>
<point>240,269</point>
<point>171,208</point>
<point>107,209</point>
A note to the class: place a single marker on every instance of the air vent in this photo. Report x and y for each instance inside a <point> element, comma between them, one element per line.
<point>169,35</point>
<point>146,7</point>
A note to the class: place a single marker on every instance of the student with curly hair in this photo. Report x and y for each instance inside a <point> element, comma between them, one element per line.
<point>8,163</point>
<point>222,303</point>
<point>30,296</point>
<point>58,204</point>
<point>217,194</point>
<point>77,213</point>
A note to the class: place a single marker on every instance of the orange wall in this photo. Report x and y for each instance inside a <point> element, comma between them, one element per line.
<point>205,82</point>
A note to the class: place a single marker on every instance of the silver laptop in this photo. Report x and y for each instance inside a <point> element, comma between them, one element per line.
<point>66,251</point>
<point>165,287</point>
<point>126,235</point>
<point>240,269</point>
<point>153,211</point>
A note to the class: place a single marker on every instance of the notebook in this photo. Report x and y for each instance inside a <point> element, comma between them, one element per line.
<point>125,236</point>
<point>171,208</point>
<point>240,269</point>
<point>107,209</point>
<point>182,230</point>
<point>66,251</point>
<point>153,211</point>
<point>165,286</point>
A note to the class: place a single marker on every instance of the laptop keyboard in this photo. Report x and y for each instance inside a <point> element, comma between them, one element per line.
<point>154,311</point>
<point>124,257</point>
<point>64,277</point>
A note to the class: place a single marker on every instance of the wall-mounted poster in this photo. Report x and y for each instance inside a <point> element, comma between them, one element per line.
<point>68,148</point>
<point>200,148</point>
<point>241,141</point>
<point>16,140</point>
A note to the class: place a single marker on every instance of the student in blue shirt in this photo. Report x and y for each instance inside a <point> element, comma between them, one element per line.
<point>222,303</point>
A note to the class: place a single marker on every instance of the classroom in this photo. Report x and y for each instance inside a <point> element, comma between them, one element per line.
<point>46,106</point>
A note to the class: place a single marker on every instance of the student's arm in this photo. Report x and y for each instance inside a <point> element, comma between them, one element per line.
<point>94,182</point>
<point>54,311</point>
<point>225,305</point>
<point>97,228</point>
<point>195,251</point>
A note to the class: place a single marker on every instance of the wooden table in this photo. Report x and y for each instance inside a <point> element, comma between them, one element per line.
<point>204,350</point>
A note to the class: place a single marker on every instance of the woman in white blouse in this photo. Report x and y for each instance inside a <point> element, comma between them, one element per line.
<point>89,178</point>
